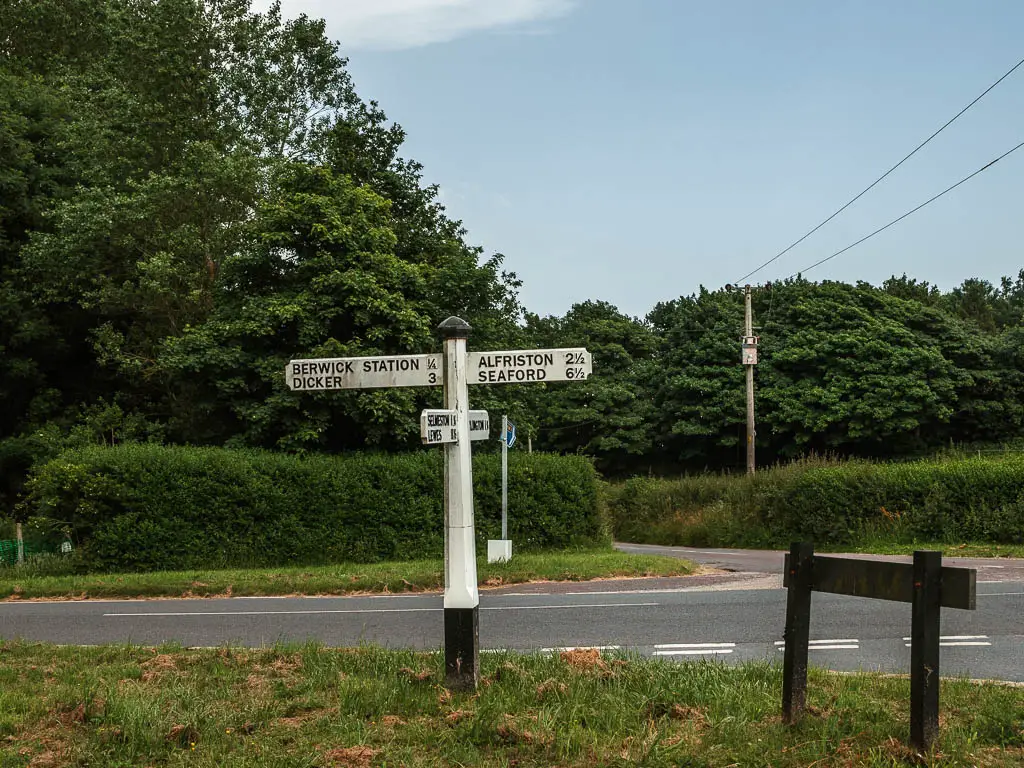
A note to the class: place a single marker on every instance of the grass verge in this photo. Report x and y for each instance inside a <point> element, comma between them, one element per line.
<point>369,708</point>
<point>882,547</point>
<point>408,576</point>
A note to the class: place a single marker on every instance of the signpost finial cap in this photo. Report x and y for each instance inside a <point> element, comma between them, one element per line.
<point>454,328</point>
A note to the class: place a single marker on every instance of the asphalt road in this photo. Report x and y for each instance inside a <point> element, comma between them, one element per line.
<point>735,623</point>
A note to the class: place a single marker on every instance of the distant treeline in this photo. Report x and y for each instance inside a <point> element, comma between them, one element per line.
<point>851,370</point>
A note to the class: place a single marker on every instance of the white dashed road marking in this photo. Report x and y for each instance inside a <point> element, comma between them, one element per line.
<point>693,649</point>
<point>955,641</point>
<point>847,644</point>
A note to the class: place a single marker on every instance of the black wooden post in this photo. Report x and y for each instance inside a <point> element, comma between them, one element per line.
<point>798,627</point>
<point>461,648</point>
<point>924,650</point>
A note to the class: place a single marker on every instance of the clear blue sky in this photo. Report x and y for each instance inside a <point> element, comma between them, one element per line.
<point>632,151</point>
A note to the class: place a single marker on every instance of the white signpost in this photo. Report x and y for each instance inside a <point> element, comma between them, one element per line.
<point>454,369</point>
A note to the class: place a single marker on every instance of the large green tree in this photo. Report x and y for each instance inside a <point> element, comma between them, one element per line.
<point>608,416</point>
<point>848,369</point>
<point>698,384</point>
<point>174,168</point>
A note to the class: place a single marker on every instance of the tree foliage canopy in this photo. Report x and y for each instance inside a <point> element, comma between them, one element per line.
<point>192,193</point>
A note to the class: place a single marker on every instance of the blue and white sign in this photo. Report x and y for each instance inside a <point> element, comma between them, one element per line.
<point>510,434</point>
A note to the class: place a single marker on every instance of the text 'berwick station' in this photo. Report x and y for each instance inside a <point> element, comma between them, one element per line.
<point>515,366</point>
<point>363,372</point>
<point>342,367</point>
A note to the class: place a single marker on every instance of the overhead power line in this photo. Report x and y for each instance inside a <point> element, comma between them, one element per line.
<point>910,212</point>
<point>873,184</point>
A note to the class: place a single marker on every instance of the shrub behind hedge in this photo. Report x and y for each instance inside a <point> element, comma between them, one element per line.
<point>952,500</point>
<point>830,503</point>
<point>145,507</point>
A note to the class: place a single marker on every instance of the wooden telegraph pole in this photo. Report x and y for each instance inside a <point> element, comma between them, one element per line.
<point>749,361</point>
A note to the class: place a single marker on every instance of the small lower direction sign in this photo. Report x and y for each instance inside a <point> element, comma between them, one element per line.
<point>529,365</point>
<point>438,426</point>
<point>364,372</point>
<point>479,425</point>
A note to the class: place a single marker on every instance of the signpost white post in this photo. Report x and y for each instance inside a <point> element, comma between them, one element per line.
<point>454,427</point>
<point>461,596</point>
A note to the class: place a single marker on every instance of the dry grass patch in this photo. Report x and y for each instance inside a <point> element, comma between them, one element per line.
<point>522,729</point>
<point>692,715</point>
<point>350,757</point>
<point>550,687</point>
<point>457,716</point>
<point>416,676</point>
<point>46,746</point>
<point>584,659</point>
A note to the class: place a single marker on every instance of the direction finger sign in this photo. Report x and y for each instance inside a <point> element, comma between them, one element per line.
<point>364,372</point>
<point>529,365</point>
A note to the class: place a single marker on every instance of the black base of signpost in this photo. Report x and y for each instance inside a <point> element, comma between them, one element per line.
<point>462,648</point>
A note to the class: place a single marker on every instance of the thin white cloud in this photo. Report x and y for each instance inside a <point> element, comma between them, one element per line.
<point>393,24</point>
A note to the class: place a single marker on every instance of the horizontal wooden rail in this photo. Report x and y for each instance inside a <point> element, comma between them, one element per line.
<point>886,580</point>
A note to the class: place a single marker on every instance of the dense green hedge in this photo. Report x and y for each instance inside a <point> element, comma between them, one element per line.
<point>944,500</point>
<point>149,507</point>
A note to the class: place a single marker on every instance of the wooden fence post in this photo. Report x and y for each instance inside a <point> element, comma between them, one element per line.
<point>798,627</point>
<point>924,650</point>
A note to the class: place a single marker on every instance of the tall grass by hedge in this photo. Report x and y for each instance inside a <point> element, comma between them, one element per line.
<point>145,507</point>
<point>945,500</point>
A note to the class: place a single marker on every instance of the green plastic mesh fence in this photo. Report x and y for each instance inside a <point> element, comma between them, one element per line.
<point>9,550</point>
